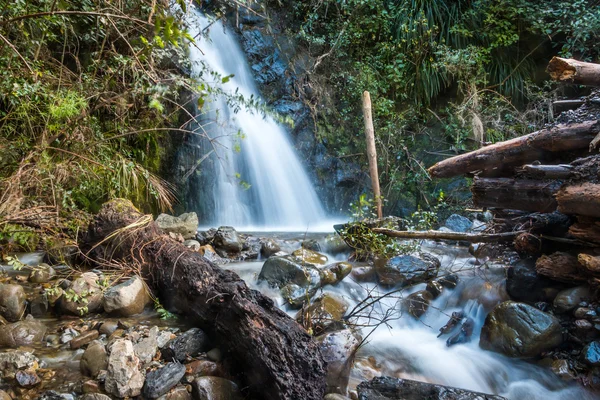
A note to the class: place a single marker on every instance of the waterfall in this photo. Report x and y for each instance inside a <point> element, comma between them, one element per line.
<point>253,178</point>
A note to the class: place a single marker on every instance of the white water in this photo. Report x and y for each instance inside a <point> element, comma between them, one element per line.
<point>280,195</point>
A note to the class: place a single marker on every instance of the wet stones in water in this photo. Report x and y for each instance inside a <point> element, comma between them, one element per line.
<point>126,299</point>
<point>94,359</point>
<point>311,244</point>
<point>335,273</point>
<point>189,343</point>
<point>214,388</point>
<point>27,378</point>
<point>417,303</point>
<point>22,333</point>
<point>464,335</point>
<point>388,388</point>
<point>185,225</point>
<point>297,296</point>
<point>364,274</point>
<point>160,381</point>
<point>568,299</point>
<point>324,313</point>
<point>435,288</point>
<point>12,302</point>
<point>39,305</point>
<point>123,378</point>
<point>520,330</point>
<point>209,253</point>
<point>339,350</point>
<point>455,319</point>
<point>562,369</point>
<point>524,284</point>
<point>269,247</point>
<point>406,270</point>
<point>227,241</point>
<point>458,223</point>
<point>279,271</point>
<point>95,396</point>
<point>41,274</point>
<point>13,360</point>
<point>83,339</point>
<point>177,393</point>
<point>310,256</point>
<point>85,287</point>
<point>591,354</point>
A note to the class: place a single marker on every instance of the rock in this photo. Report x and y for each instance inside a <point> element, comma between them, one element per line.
<point>334,245</point>
<point>214,388</point>
<point>567,300</point>
<point>210,254</point>
<point>83,297</point>
<point>406,270</point>
<point>203,368</point>
<point>338,349</point>
<point>311,244</point>
<point>108,327</point>
<point>127,298</point>
<point>227,241</point>
<point>39,305</point>
<point>335,273</point>
<point>524,284</point>
<point>146,348</point>
<point>192,244</point>
<point>178,237</point>
<point>84,339</point>
<point>458,223</point>
<point>178,393</point>
<point>364,274</point>
<point>4,395</point>
<point>487,292</point>
<point>562,369</point>
<point>335,396</point>
<point>123,379</point>
<point>520,330</point>
<point>280,271</point>
<point>90,386</point>
<point>189,343</point>
<point>27,378</point>
<point>251,249</point>
<point>163,338</point>
<point>448,281</point>
<point>464,335</point>
<point>324,313</point>
<point>23,333</point>
<point>95,396</point>
<point>310,257</point>
<point>435,288</point>
<point>41,274</point>
<point>160,381</point>
<point>186,224</point>
<point>297,296</point>
<point>206,237</point>
<point>12,302</point>
<point>590,354</point>
<point>54,395</point>
<point>94,359</point>
<point>388,388</point>
<point>269,247</point>
<point>417,303</point>
<point>214,355</point>
<point>13,360</point>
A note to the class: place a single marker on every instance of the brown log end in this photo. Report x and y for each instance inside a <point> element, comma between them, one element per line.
<point>582,199</point>
<point>591,263</point>
<point>561,267</point>
<point>559,69</point>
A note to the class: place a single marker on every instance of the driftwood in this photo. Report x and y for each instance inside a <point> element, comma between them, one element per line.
<point>528,195</point>
<point>454,236</point>
<point>561,267</point>
<point>568,70</point>
<point>591,263</point>
<point>582,199</point>
<point>273,356</point>
<point>518,151</point>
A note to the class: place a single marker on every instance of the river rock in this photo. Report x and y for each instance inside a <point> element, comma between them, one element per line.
<point>186,224</point>
<point>324,313</point>
<point>364,274</point>
<point>488,292</point>
<point>146,348</point>
<point>27,378</point>
<point>280,270</point>
<point>177,393</point>
<point>160,381</point>
<point>214,388</point>
<point>95,396</point>
<point>23,333</point>
<point>388,388</point>
<point>297,296</point>
<point>227,241</point>
<point>335,396</point>
<point>406,270</point>
<point>83,339</point>
<point>192,244</point>
<point>12,302</point>
<point>123,378</point>
<point>4,395</point>
<point>39,306</point>
<point>310,257</point>
<point>567,300</point>
<point>13,360</point>
<point>335,273</point>
<point>562,369</point>
<point>189,343</point>
<point>41,274</point>
<point>520,330</point>
<point>339,350</point>
<point>209,253</point>
<point>94,359</point>
<point>417,303</point>
<point>269,247</point>
<point>524,284</point>
<point>203,368</point>
<point>127,298</point>
<point>435,288</point>
<point>85,287</point>
<point>458,223</point>
<point>591,354</point>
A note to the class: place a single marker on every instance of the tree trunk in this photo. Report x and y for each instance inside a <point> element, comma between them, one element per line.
<point>454,236</point>
<point>519,151</point>
<point>561,267</point>
<point>582,199</point>
<point>372,152</point>
<point>572,71</point>
<point>528,195</point>
<point>548,171</point>
<point>274,357</point>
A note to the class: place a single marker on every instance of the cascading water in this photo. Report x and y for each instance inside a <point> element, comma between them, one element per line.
<point>253,178</point>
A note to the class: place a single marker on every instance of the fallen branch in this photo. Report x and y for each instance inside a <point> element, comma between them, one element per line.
<point>454,236</point>
<point>572,71</point>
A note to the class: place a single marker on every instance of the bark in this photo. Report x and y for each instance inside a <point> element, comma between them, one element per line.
<point>274,357</point>
<point>591,263</point>
<point>548,171</point>
<point>586,230</point>
<point>561,267</point>
<point>372,151</point>
<point>454,236</point>
<point>564,105</point>
<point>528,244</point>
<point>518,151</point>
<point>568,70</point>
<point>582,199</point>
<point>528,195</point>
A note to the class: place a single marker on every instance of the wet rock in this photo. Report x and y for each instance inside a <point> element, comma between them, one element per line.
<point>41,274</point>
<point>567,300</point>
<point>524,284</point>
<point>146,348</point>
<point>12,302</point>
<point>279,271</point>
<point>584,313</point>
<point>160,381</point>
<point>590,354</point>
<point>39,305</point>
<point>4,395</point>
<point>563,370</point>
<point>520,330</point>
<point>388,388</point>
<point>339,350</point>
<point>163,338</point>
<point>192,244</point>
<point>54,395</point>
<point>464,335</point>
<point>95,396</point>
<point>83,297</point>
<point>417,303</point>
<point>251,249</point>
<point>448,281</point>
<point>127,298</point>
<point>94,359</point>
<point>178,393</point>
<point>203,368</point>
<point>206,237</point>
<point>324,313</point>
<point>188,343</point>
<point>227,241</point>
<point>458,223</point>
<point>214,388</point>
<point>269,247</point>
<point>13,360</point>
<point>334,244</point>
<point>108,327</point>
<point>297,296</point>
<point>186,224</point>
<point>435,288</point>
<point>335,273</point>
<point>123,378</point>
<point>311,244</point>
<point>214,355</point>
<point>489,293</point>
<point>406,270</point>
<point>310,257</point>
<point>209,253</point>
<point>84,339</point>
<point>364,274</point>
<point>90,386</point>
<point>27,378</point>
<point>335,396</point>
<point>22,333</point>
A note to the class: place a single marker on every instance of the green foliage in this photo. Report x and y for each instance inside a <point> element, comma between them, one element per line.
<point>20,237</point>
<point>162,312</point>
<point>15,263</point>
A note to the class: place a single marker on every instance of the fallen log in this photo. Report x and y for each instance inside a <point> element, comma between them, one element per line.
<point>454,236</point>
<point>528,195</point>
<point>586,230</point>
<point>273,356</point>
<point>582,199</point>
<point>567,70</point>
<point>562,171</point>
<point>591,263</point>
<point>518,151</point>
<point>561,267</point>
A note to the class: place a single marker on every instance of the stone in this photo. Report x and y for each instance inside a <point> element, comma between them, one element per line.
<point>84,287</point>
<point>567,300</point>
<point>458,223</point>
<point>590,354</point>
<point>54,395</point>
<point>12,302</point>
<point>127,298</point>
<point>146,348</point>
<point>192,244</point>
<point>227,241</point>
<point>189,343</point>
<point>43,273</point>
<point>13,360</point>
<point>4,395</point>
<point>39,305</point>
<point>163,338</point>
<point>83,339</point>
<point>279,271</point>
<point>323,314</point>
<point>160,381</point>
<point>364,274</point>
<point>214,355</point>
<point>108,327</point>
<point>562,369</point>
<point>269,247</point>
<point>417,303</point>
<point>123,378</point>
<point>335,396</point>
<point>95,396</point>
<point>524,284</point>
<point>335,273</point>
<point>94,359</point>
<point>297,296</point>
<point>209,253</point>
<point>406,270</point>
<point>388,388</point>
<point>339,350</point>
<point>27,378</point>
<point>214,388</point>
<point>203,368</point>
<point>23,333</point>
<point>177,393</point>
<point>520,330</point>
<point>186,224</point>
<point>310,257</point>
<point>90,386</point>
<point>435,288</point>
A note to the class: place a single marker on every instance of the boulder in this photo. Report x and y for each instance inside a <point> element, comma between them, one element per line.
<point>334,273</point>
<point>458,223</point>
<point>406,270</point>
<point>12,302</point>
<point>591,354</point>
<point>41,274</point>
<point>214,388</point>
<point>189,343</point>
<point>279,271</point>
<point>388,388</point>
<point>524,284</point>
<point>94,359</point>
<point>417,303</point>
<point>297,296</point>
<point>269,247</point>
<point>364,274</point>
<point>520,330</point>
<point>203,368</point>
<point>310,257</point>
<point>14,360</point>
<point>227,241</point>
<point>567,300</point>
<point>83,297</point>
<point>160,381</point>
<point>339,350</point>
<point>185,225</point>
<point>127,298</point>
<point>23,333</point>
<point>123,378</point>
<point>324,313</point>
